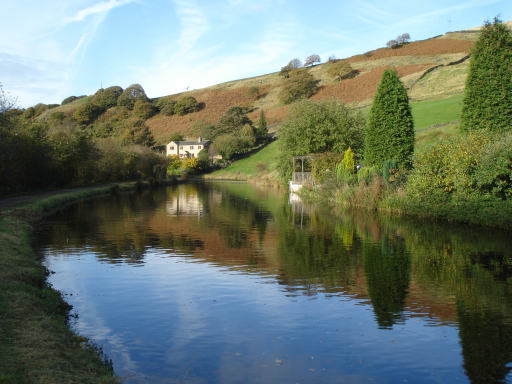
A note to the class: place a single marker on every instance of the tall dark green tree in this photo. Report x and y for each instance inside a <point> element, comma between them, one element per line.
<point>487,100</point>
<point>390,130</point>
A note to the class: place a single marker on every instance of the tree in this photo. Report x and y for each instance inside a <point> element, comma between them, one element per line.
<point>130,95</point>
<point>176,137</point>
<point>310,60</point>
<point>233,120</point>
<point>399,41</point>
<point>135,131</point>
<point>107,98</point>
<point>143,109</point>
<point>261,128</point>
<point>187,104</point>
<point>390,130</point>
<point>300,84</point>
<point>165,105</point>
<point>341,69</point>
<point>228,145</point>
<point>87,113</point>
<point>292,64</point>
<point>317,127</point>
<point>487,102</point>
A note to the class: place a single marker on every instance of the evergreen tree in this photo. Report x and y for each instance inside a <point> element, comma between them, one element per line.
<point>262,129</point>
<point>487,100</point>
<point>390,129</point>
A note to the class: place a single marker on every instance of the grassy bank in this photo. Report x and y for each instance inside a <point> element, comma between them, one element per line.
<point>36,342</point>
<point>260,167</point>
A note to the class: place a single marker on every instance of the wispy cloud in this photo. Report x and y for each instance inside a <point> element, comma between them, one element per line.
<point>193,22</point>
<point>103,7</point>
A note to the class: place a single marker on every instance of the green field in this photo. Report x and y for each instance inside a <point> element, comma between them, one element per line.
<point>261,165</point>
<point>429,113</point>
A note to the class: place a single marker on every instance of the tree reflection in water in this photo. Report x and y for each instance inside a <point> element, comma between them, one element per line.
<point>443,273</point>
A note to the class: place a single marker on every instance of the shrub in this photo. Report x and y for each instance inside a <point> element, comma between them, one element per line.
<point>388,167</point>
<point>493,173</point>
<point>68,100</point>
<point>187,104</point>
<point>87,113</point>
<point>367,174</point>
<point>390,129</point>
<point>341,70</point>
<point>324,166</point>
<point>165,105</point>
<point>135,131</point>
<point>487,102</point>
<point>143,109</point>
<point>253,91</point>
<point>448,168</point>
<point>299,85</point>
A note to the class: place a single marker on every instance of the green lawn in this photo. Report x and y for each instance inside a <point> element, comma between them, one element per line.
<point>261,163</point>
<point>428,113</point>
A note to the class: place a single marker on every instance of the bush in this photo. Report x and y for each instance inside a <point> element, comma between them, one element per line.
<point>165,105</point>
<point>299,85</point>
<point>312,59</point>
<point>367,174</point>
<point>341,70</point>
<point>143,109</point>
<point>487,102</point>
<point>187,104</point>
<point>324,166</point>
<point>493,173</point>
<point>68,100</point>
<point>448,168</point>
<point>87,113</point>
<point>253,91</point>
<point>135,131</point>
<point>388,168</point>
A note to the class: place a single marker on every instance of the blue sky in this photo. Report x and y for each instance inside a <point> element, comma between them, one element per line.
<point>53,49</point>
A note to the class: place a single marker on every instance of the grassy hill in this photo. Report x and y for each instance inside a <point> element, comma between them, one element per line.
<point>432,69</point>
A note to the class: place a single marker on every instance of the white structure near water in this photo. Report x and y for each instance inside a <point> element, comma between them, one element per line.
<point>186,149</point>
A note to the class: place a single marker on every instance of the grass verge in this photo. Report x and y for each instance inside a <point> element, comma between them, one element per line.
<point>36,342</point>
<point>260,167</point>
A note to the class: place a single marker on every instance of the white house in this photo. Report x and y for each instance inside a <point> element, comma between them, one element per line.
<point>186,149</point>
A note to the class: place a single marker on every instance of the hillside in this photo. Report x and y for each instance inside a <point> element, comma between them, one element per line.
<point>431,69</point>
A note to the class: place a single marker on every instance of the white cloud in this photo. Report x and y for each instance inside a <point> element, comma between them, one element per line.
<point>193,21</point>
<point>103,8</point>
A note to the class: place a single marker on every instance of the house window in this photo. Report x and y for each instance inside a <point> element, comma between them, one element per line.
<point>198,147</point>
<point>181,146</point>
<point>191,147</point>
<point>172,148</point>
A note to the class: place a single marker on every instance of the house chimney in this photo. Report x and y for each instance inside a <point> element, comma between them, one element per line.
<point>199,139</point>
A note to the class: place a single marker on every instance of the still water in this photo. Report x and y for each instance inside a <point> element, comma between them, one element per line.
<point>227,283</point>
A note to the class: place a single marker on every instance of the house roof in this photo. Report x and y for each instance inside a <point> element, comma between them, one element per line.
<point>191,142</point>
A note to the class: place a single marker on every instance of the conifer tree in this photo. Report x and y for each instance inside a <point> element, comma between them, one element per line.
<point>487,100</point>
<point>390,129</point>
<point>261,129</point>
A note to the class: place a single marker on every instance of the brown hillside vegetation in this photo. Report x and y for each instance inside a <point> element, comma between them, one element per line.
<point>361,89</point>
<point>363,86</point>
<point>418,48</point>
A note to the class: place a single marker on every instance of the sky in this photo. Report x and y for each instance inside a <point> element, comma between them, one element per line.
<point>52,49</point>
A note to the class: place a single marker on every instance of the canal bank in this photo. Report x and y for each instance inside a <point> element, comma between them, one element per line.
<point>37,344</point>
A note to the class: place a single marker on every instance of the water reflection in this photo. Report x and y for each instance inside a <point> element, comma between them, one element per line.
<point>406,272</point>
